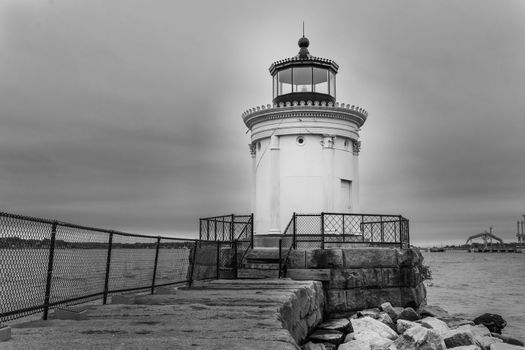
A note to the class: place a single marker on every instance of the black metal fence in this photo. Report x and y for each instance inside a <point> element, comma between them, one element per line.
<point>226,228</point>
<point>47,263</point>
<point>330,230</point>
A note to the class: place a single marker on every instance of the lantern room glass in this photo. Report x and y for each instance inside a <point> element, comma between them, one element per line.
<point>304,80</point>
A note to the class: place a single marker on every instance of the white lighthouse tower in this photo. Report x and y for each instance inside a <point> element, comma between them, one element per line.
<point>305,146</point>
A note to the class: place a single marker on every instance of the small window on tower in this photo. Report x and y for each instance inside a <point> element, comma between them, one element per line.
<point>300,140</point>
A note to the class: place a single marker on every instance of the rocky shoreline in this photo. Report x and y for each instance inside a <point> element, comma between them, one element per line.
<point>397,328</point>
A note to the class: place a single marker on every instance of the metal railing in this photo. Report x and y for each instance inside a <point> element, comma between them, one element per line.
<point>47,263</point>
<point>331,230</point>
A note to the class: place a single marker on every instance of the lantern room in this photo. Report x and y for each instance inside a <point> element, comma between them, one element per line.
<point>304,77</point>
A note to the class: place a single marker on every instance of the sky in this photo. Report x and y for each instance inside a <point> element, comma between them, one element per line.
<point>126,114</point>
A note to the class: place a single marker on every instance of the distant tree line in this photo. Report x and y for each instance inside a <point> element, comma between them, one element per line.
<point>45,243</point>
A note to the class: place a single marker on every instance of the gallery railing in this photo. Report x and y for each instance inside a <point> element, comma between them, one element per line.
<point>330,230</point>
<point>47,264</point>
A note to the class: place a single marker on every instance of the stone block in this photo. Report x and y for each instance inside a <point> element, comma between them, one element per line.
<point>354,345</point>
<point>435,324</point>
<point>419,337</point>
<point>375,297</point>
<point>355,300</point>
<point>70,314</point>
<point>369,257</point>
<point>413,296</point>
<point>391,277</point>
<point>409,257</point>
<point>338,324</point>
<point>5,333</point>
<point>345,279</point>
<point>403,325</point>
<point>458,337</point>
<point>503,346</point>
<point>372,277</point>
<point>336,300</point>
<point>325,336</point>
<point>324,259</point>
<point>297,259</point>
<point>309,274</point>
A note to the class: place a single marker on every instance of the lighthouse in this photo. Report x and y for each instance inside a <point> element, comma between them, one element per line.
<point>305,145</point>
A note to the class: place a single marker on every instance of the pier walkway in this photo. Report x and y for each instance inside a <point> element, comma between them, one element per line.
<point>221,314</point>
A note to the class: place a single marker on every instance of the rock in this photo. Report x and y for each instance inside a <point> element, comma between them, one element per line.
<point>360,325</point>
<point>455,322</point>
<point>354,345</point>
<point>408,314</point>
<point>420,337</point>
<point>325,336</point>
<point>435,324</point>
<point>467,347</point>
<point>458,337</point>
<point>375,340</point>
<point>433,311</point>
<point>368,312</point>
<point>383,317</point>
<point>387,307</point>
<point>313,346</point>
<point>508,340</point>
<point>338,324</point>
<point>403,325</point>
<point>503,346</point>
<point>495,323</point>
<point>481,335</point>
<point>349,337</point>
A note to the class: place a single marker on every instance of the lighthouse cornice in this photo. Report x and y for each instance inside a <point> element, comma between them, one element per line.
<point>351,113</point>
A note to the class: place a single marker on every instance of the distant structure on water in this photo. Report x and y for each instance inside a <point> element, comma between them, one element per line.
<point>305,146</point>
<point>520,234</point>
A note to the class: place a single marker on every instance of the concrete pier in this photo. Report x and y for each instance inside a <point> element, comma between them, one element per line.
<point>222,314</point>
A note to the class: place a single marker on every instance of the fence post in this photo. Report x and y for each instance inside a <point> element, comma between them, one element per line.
<point>235,266</point>
<point>218,259</point>
<point>194,253</point>
<point>363,227</point>
<point>108,263</point>
<point>408,233</point>
<point>50,269</point>
<point>294,243</point>
<point>251,229</point>
<point>382,229</point>
<point>232,225</point>
<point>343,228</point>
<point>280,256</point>
<point>155,267</point>
<point>322,230</point>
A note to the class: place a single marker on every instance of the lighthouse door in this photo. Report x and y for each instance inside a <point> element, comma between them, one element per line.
<point>346,196</point>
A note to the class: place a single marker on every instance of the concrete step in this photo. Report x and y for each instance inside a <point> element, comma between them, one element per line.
<point>263,255</point>
<point>261,266</point>
<point>256,274</point>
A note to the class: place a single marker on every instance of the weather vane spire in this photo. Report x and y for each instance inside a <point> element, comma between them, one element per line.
<point>303,29</point>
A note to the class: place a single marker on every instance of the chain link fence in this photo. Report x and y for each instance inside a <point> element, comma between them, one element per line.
<point>47,263</point>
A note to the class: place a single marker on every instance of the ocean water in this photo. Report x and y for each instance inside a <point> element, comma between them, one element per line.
<point>471,284</point>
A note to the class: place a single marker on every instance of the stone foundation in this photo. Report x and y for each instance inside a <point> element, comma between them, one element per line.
<point>360,278</point>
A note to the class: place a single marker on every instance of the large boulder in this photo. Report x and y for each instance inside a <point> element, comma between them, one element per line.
<point>435,324</point>
<point>459,337</point>
<point>313,346</point>
<point>507,339</point>
<point>481,334</point>
<point>408,314</point>
<point>387,307</point>
<point>325,336</point>
<point>338,324</point>
<point>367,323</point>
<point>495,323</point>
<point>503,346</point>
<point>403,325</point>
<point>433,311</point>
<point>354,345</point>
<point>372,338</point>
<point>420,338</point>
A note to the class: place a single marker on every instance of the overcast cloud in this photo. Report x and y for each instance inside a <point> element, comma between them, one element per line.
<point>127,114</point>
